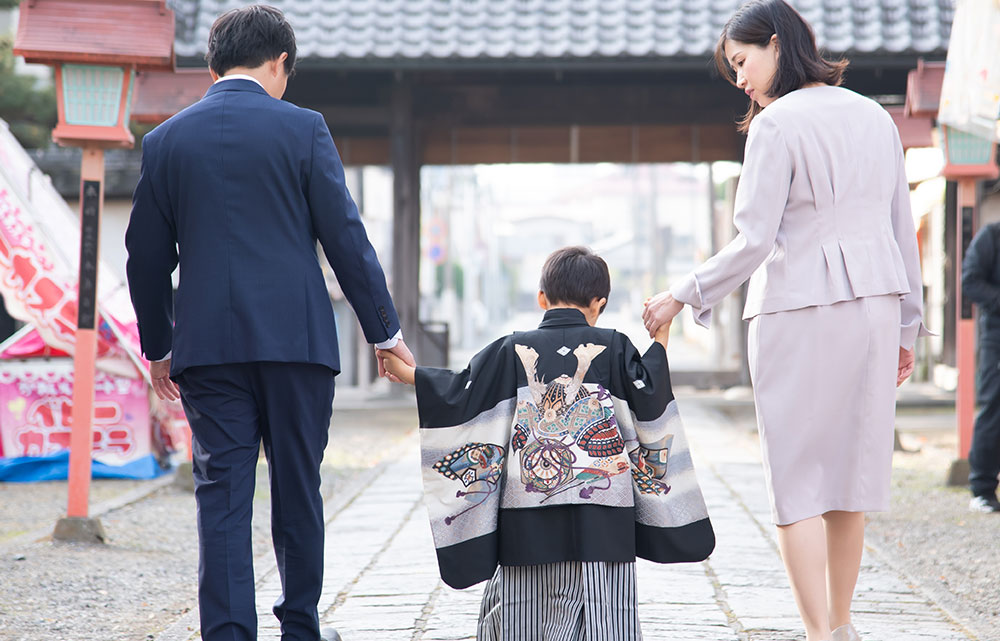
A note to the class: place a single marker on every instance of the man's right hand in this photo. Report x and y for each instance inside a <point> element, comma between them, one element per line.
<point>404,354</point>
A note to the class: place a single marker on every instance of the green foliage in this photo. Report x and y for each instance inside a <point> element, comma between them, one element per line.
<point>30,111</point>
<point>457,279</point>
<point>139,130</point>
<point>9,4</point>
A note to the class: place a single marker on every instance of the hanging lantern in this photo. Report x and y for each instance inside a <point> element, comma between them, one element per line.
<point>94,104</point>
<point>968,155</point>
<point>96,46</point>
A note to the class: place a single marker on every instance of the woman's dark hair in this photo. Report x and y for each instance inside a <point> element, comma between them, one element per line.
<point>799,62</point>
<point>249,37</point>
<point>575,276</point>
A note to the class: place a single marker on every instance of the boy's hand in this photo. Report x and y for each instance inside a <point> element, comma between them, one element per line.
<point>662,334</point>
<point>400,350</point>
<point>398,370</point>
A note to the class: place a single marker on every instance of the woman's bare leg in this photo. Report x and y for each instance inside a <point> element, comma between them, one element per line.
<point>845,542</point>
<point>804,551</point>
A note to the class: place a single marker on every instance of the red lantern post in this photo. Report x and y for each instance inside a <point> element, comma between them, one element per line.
<point>96,46</point>
<point>969,159</point>
<point>969,115</point>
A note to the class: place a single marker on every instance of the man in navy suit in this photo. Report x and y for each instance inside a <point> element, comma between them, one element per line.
<point>238,189</point>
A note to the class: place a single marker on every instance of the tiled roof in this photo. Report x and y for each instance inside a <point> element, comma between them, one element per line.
<point>490,30</point>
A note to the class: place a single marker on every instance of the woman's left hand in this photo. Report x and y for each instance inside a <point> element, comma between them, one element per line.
<point>659,310</point>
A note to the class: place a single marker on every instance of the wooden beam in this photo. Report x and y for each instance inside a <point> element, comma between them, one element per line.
<point>349,116</point>
<point>590,144</point>
<point>606,144</point>
<point>588,104</point>
<point>364,150</point>
<point>357,99</point>
<point>541,144</point>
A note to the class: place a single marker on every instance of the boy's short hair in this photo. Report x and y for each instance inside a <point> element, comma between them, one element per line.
<point>576,276</point>
<point>249,37</point>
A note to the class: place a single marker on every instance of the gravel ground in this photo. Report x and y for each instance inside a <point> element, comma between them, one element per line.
<point>145,577</point>
<point>931,536</point>
<point>25,507</point>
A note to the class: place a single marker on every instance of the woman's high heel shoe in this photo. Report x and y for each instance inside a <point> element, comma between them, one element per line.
<point>846,633</point>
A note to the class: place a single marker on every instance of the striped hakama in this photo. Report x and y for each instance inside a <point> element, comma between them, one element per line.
<point>568,601</point>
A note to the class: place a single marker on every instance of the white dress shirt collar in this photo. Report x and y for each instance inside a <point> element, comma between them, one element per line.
<point>239,76</point>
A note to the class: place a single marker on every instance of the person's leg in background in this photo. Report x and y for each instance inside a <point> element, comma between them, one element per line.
<point>984,454</point>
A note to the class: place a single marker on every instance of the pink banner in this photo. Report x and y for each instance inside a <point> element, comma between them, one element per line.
<point>39,252</point>
<point>27,283</point>
<point>36,408</point>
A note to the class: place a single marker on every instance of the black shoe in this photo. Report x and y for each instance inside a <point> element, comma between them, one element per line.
<point>329,634</point>
<point>988,503</point>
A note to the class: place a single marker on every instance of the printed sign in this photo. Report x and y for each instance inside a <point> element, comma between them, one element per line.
<point>36,412</point>
<point>90,228</point>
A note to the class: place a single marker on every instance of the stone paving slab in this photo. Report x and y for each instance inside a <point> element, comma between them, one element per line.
<point>381,581</point>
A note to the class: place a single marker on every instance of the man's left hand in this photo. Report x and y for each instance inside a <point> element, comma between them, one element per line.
<point>165,388</point>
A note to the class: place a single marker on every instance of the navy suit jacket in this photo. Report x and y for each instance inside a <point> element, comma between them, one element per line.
<point>239,188</point>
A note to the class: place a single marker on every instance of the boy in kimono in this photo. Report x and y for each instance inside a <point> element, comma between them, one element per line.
<point>554,460</point>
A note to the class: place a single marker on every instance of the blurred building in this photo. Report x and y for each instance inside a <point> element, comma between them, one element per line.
<point>493,131</point>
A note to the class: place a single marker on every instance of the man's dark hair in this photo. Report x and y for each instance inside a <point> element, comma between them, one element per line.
<point>575,276</point>
<point>249,37</point>
<point>799,61</point>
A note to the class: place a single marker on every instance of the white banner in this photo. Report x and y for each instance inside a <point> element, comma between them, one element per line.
<point>970,94</point>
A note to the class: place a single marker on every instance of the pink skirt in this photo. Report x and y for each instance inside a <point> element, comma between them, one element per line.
<point>824,381</point>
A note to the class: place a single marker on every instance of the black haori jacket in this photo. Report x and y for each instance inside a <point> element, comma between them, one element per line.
<point>558,444</point>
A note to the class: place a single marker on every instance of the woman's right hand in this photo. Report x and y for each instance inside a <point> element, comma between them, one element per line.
<point>660,310</point>
<point>905,365</point>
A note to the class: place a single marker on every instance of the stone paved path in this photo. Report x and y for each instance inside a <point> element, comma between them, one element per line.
<point>382,584</point>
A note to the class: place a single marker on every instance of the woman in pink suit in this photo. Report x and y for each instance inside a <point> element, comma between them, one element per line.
<point>826,238</point>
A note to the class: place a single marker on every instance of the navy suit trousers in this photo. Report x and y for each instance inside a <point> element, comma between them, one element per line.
<point>232,409</point>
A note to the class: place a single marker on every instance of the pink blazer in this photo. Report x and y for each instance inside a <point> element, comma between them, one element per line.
<point>822,212</point>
